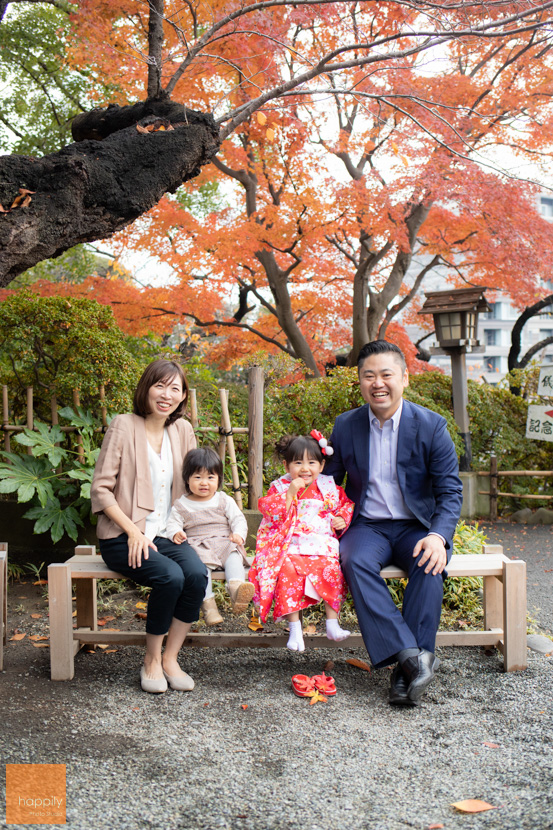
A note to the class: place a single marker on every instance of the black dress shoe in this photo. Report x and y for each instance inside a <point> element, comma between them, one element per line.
<point>398,689</point>
<point>420,672</point>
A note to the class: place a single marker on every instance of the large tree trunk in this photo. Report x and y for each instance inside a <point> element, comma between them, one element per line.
<point>93,188</point>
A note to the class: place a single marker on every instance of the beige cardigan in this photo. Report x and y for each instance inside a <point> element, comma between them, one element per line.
<point>122,472</point>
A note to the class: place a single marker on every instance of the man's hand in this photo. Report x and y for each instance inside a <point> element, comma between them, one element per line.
<point>434,554</point>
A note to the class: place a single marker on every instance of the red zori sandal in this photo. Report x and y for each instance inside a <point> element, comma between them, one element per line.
<point>303,685</point>
<point>324,683</point>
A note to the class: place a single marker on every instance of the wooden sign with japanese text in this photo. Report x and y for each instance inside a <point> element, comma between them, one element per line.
<point>539,424</point>
<point>545,384</point>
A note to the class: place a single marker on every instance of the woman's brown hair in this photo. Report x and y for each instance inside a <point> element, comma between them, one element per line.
<point>159,370</point>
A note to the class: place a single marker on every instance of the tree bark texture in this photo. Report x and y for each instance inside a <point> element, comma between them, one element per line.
<point>93,188</point>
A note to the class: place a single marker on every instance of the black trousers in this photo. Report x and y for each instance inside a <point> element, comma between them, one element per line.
<point>175,573</point>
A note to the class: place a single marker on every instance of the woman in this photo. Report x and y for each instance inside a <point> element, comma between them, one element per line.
<point>138,476</point>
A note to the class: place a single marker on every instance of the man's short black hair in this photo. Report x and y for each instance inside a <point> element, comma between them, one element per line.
<point>380,347</point>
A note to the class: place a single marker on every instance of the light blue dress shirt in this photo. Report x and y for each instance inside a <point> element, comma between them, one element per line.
<point>383,499</point>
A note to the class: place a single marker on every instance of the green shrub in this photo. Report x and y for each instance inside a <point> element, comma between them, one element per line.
<point>57,344</point>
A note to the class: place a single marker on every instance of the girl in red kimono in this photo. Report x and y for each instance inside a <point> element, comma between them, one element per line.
<point>296,562</point>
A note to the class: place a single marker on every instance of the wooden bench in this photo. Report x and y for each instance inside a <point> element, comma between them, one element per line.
<point>504,611</point>
<point>3,600</point>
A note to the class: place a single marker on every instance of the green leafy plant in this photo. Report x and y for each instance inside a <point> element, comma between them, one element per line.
<point>56,478</point>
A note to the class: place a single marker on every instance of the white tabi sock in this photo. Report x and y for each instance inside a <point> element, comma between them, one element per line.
<point>334,632</point>
<point>295,640</point>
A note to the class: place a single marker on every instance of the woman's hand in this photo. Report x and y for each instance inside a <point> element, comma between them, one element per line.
<point>179,537</point>
<point>138,547</point>
<point>236,538</point>
<point>337,522</point>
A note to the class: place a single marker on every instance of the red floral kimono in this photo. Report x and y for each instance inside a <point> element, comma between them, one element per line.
<point>296,561</point>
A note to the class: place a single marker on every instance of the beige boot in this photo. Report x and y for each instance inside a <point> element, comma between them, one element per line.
<point>211,612</point>
<point>240,595</point>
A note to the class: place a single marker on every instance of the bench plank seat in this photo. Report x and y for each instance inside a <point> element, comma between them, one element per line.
<point>504,605</point>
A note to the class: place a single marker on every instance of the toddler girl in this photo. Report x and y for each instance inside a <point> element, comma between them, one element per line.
<point>211,522</point>
<point>296,562</point>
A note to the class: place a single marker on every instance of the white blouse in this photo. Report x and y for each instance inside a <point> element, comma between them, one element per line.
<point>161,472</point>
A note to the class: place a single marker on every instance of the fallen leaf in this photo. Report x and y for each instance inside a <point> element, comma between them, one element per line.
<point>310,630</point>
<point>112,629</point>
<point>435,827</point>
<point>141,605</point>
<point>103,646</point>
<point>101,621</point>
<point>261,118</point>
<point>205,705</point>
<point>41,645</point>
<point>41,582</point>
<point>108,619</point>
<point>142,130</point>
<point>136,709</point>
<point>255,623</point>
<point>490,745</point>
<point>328,666</point>
<point>359,664</point>
<point>316,697</point>
<point>141,615</point>
<point>38,637</point>
<point>18,636</point>
<point>36,616</point>
<point>244,706</point>
<point>110,651</point>
<point>472,805</point>
<point>74,614</point>
<point>3,209</point>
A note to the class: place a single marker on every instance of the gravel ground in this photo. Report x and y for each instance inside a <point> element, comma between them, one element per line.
<point>242,752</point>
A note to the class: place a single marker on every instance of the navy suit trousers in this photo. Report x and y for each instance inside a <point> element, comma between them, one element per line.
<point>365,548</point>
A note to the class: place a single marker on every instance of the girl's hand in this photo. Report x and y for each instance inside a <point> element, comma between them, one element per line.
<point>236,538</point>
<point>337,522</point>
<point>139,546</point>
<point>296,485</point>
<point>179,537</point>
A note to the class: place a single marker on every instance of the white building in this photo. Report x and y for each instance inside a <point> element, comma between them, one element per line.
<point>494,328</point>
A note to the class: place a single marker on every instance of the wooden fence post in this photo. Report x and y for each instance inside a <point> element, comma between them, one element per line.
<point>30,419</point>
<point>493,488</point>
<point>255,436</point>
<point>225,418</point>
<point>5,418</point>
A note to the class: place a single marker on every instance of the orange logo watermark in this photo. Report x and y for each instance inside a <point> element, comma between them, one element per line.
<point>35,794</point>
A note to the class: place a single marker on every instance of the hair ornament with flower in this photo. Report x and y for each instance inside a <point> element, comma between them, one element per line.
<point>322,442</point>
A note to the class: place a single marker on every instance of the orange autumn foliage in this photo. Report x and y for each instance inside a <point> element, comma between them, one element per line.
<point>332,209</point>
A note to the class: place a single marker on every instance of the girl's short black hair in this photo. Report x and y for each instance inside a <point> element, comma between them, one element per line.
<point>292,448</point>
<point>202,458</point>
<point>159,370</point>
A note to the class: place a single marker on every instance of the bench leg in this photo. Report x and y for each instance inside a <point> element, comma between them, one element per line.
<point>514,627</point>
<point>62,654</point>
<point>4,602</point>
<point>87,614</point>
<point>493,603</point>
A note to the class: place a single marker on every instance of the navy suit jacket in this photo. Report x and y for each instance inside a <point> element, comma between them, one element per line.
<point>427,466</point>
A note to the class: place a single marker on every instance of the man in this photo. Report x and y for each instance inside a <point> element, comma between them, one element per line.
<point>402,474</point>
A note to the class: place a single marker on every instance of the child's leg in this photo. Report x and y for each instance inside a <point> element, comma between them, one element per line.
<point>240,591</point>
<point>209,605</point>
<point>209,587</point>
<point>333,630</point>
<point>295,640</point>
